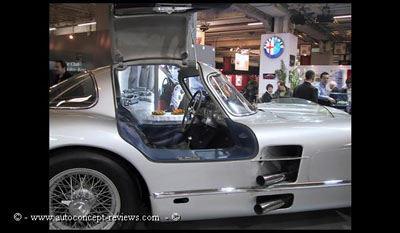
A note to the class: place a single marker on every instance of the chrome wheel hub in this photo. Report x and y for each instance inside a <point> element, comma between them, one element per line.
<point>79,208</point>
<point>82,202</point>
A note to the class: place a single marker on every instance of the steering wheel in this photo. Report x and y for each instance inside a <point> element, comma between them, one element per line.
<point>192,110</point>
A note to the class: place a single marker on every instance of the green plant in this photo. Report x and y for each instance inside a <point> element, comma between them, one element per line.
<point>294,76</point>
<point>281,73</point>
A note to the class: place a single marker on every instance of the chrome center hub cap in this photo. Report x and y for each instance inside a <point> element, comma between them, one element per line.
<point>82,201</point>
<point>79,208</point>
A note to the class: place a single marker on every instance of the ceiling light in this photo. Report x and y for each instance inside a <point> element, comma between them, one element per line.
<point>244,51</point>
<point>52,29</point>
<point>342,17</point>
<point>172,9</point>
<point>85,24</point>
<point>251,24</point>
<point>71,37</point>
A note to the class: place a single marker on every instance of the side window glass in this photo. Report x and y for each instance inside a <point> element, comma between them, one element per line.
<point>78,91</point>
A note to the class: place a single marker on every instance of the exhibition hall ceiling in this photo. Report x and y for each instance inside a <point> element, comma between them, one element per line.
<point>228,30</point>
<point>68,14</point>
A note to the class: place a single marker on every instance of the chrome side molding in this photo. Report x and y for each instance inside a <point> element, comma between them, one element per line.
<point>231,190</point>
<point>279,159</point>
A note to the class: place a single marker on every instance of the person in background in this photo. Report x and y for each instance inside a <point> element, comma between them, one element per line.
<point>333,87</point>
<point>250,91</point>
<point>323,97</point>
<point>61,73</point>
<point>306,90</point>
<point>344,87</point>
<point>316,82</point>
<point>282,90</point>
<point>267,97</point>
<point>348,84</point>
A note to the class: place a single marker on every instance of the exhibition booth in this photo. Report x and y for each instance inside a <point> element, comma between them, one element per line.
<point>279,60</point>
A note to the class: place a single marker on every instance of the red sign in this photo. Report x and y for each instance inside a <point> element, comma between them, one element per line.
<point>227,64</point>
<point>269,76</point>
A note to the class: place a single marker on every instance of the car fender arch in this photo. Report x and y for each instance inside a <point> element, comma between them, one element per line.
<point>129,167</point>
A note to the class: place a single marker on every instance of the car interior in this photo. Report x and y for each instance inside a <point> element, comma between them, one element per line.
<point>163,109</point>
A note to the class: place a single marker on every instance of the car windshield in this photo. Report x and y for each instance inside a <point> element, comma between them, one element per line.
<point>230,97</point>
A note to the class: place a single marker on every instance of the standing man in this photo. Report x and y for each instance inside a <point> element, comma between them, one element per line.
<point>307,90</point>
<point>61,72</point>
<point>323,97</point>
<point>316,81</point>
<point>250,91</point>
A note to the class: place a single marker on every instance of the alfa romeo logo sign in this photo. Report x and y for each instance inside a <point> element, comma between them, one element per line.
<point>273,47</point>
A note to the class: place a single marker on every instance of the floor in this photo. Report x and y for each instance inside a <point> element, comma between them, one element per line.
<point>324,219</point>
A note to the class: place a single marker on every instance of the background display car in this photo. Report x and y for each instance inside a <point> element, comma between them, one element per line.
<point>222,158</point>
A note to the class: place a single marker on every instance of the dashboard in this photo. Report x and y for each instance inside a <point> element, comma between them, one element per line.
<point>212,115</point>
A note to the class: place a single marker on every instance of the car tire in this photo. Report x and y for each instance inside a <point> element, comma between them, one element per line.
<point>100,163</point>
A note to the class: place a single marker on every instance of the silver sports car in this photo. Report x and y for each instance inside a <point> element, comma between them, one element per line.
<point>129,144</point>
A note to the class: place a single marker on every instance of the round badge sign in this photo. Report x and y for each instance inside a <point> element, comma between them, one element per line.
<point>273,47</point>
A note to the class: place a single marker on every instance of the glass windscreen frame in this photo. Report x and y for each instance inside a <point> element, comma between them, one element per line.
<point>247,108</point>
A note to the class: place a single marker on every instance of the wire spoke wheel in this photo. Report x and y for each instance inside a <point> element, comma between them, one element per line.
<point>79,197</point>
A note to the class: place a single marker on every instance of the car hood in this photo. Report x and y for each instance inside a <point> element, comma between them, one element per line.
<point>289,111</point>
<point>284,113</point>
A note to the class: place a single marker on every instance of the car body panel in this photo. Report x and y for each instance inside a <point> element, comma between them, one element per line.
<point>326,156</point>
<point>151,36</point>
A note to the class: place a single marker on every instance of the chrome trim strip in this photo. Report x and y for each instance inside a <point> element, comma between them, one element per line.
<point>279,159</point>
<point>275,187</point>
